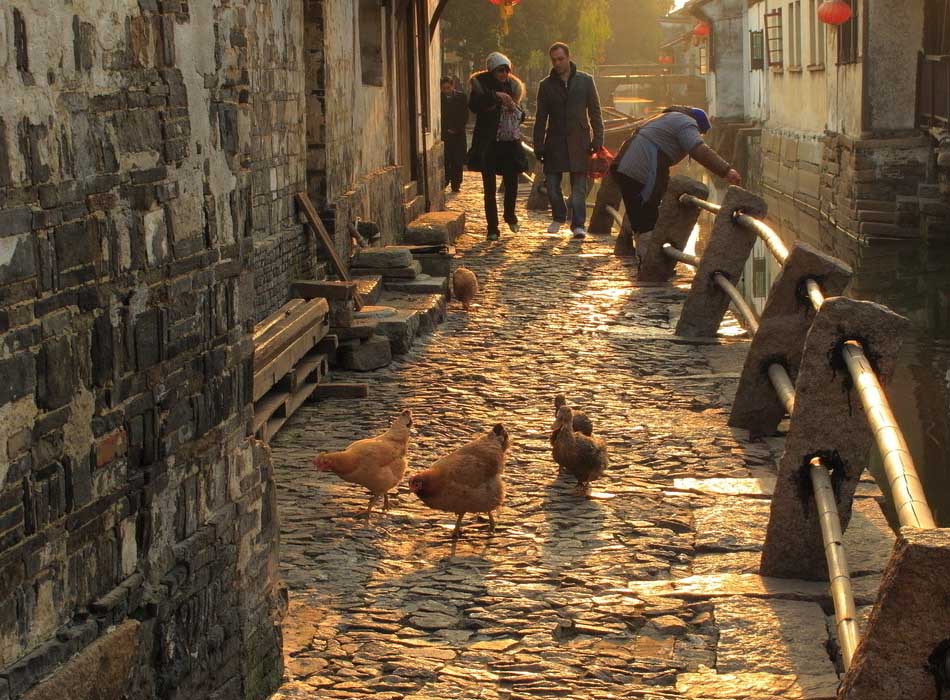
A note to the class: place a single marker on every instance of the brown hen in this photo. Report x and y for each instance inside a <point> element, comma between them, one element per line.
<point>585,458</point>
<point>377,463</point>
<point>467,480</point>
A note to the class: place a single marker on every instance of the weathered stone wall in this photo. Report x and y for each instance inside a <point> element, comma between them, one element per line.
<point>146,167</point>
<point>861,188</point>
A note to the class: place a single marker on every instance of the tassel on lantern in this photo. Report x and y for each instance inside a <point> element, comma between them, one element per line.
<point>506,8</point>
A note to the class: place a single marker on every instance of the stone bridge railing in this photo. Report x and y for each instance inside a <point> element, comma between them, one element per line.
<point>812,350</point>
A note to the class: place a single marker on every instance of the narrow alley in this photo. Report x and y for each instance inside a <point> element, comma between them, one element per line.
<point>571,596</point>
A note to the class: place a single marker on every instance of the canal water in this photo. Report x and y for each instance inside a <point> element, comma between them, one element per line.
<point>913,279</point>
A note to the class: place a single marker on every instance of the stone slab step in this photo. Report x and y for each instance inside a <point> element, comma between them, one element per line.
<point>410,271</point>
<point>365,355</point>
<point>360,329</point>
<point>435,227</point>
<point>437,264</point>
<point>383,258</point>
<point>423,285</point>
<point>369,287</point>
<point>401,329</point>
<point>432,308</point>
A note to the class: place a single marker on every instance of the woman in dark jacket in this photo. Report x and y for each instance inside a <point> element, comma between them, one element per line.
<point>495,97</point>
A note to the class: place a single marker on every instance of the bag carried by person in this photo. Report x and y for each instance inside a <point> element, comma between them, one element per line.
<point>599,164</point>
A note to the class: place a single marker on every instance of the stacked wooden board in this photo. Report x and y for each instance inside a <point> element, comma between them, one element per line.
<point>290,359</point>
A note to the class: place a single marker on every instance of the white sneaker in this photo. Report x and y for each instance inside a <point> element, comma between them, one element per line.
<point>580,232</point>
<point>554,227</point>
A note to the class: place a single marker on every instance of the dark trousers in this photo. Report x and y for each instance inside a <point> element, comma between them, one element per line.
<point>454,159</point>
<point>509,183</point>
<point>642,215</point>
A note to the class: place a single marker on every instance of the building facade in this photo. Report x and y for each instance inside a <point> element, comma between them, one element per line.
<point>150,156</point>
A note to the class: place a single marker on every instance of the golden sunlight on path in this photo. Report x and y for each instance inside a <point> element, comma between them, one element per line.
<point>644,589</point>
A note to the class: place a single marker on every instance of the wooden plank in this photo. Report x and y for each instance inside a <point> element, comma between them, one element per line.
<point>294,401</point>
<point>303,199</point>
<point>279,315</point>
<point>285,361</point>
<point>267,407</point>
<point>328,344</point>
<point>279,326</point>
<point>313,365</point>
<point>328,289</point>
<point>341,390</point>
<point>312,313</point>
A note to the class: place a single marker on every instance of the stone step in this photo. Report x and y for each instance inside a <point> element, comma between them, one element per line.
<point>435,227</point>
<point>432,308</point>
<point>365,355</point>
<point>401,329</point>
<point>424,284</point>
<point>370,287</point>
<point>410,271</point>
<point>359,328</point>
<point>438,264</point>
<point>385,257</point>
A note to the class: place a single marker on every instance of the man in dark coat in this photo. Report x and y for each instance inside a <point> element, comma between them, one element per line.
<point>454,119</point>
<point>568,127</point>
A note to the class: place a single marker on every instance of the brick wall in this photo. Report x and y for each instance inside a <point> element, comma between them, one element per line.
<point>148,156</point>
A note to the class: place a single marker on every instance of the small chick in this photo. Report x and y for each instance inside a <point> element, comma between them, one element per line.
<point>464,286</point>
<point>467,480</point>
<point>581,423</point>
<point>377,463</point>
<point>585,458</point>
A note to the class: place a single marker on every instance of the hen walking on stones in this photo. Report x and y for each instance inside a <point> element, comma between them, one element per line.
<point>467,480</point>
<point>583,457</point>
<point>581,422</point>
<point>377,463</point>
<point>464,286</point>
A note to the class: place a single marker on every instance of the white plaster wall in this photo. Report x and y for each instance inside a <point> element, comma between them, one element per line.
<point>359,139</point>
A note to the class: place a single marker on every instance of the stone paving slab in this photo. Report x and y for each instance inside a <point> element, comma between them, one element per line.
<point>571,597</point>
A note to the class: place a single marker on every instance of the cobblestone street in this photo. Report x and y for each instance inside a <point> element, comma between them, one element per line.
<point>554,604</point>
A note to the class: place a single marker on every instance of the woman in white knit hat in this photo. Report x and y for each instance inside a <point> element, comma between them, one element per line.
<point>495,97</point>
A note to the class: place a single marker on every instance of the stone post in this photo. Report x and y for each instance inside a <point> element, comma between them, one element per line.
<point>828,421</point>
<point>728,248</point>
<point>608,195</point>
<point>784,324</point>
<point>538,197</point>
<point>674,225</point>
<point>903,653</point>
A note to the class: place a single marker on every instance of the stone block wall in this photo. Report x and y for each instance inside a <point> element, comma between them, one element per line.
<point>861,189</point>
<point>149,150</point>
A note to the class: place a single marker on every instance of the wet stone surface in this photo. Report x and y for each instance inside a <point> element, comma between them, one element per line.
<point>392,608</point>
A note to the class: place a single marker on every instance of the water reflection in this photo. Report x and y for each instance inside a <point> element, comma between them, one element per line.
<point>913,279</point>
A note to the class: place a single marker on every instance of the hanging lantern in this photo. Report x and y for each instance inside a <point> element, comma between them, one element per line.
<point>701,29</point>
<point>834,11</point>
<point>506,8</point>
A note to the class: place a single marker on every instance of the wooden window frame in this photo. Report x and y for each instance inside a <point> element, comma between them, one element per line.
<point>774,47</point>
<point>757,49</point>
<point>850,50</point>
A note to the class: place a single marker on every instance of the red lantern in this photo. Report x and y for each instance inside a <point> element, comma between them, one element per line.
<point>834,11</point>
<point>702,29</point>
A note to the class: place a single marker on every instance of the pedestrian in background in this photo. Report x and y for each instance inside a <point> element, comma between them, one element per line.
<point>568,127</point>
<point>495,97</point>
<point>642,166</point>
<point>454,120</point>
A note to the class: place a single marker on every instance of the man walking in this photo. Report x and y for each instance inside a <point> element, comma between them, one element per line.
<point>454,119</point>
<point>567,114</point>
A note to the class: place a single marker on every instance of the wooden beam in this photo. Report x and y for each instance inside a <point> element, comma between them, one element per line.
<point>436,16</point>
<point>317,225</point>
